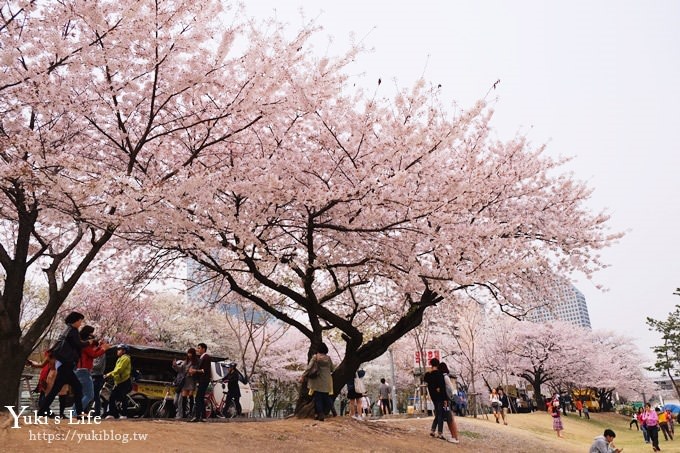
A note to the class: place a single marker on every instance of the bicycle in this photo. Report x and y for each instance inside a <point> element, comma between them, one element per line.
<point>164,408</point>
<point>223,409</point>
<point>137,403</point>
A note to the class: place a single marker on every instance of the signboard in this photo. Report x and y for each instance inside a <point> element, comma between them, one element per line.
<point>423,360</point>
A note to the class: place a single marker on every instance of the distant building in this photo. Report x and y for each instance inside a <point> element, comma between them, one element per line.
<point>569,306</point>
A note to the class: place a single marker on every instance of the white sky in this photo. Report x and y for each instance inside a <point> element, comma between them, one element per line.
<point>599,81</point>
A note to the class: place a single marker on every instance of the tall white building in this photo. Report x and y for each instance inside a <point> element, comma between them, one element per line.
<point>569,306</point>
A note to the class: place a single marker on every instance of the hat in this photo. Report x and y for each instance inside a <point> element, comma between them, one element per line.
<point>123,346</point>
<point>231,364</point>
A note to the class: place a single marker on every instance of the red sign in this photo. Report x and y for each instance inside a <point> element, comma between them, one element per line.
<point>427,355</point>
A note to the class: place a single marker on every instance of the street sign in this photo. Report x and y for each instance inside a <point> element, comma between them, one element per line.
<point>422,358</point>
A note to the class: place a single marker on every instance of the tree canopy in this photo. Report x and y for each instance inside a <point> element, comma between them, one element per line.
<point>668,352</point>
<point>153,123</point>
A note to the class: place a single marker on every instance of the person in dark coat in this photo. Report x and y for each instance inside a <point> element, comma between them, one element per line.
<point>232,379</point>
<point>201,374</point>
<point>67,352</point>
<point>436,388</point>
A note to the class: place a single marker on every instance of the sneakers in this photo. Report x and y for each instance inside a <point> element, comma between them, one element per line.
<point>123,417</point>
<point>431,433</point>
<point>109,417</point>
<point>440,436</point>
<point>452,440</point>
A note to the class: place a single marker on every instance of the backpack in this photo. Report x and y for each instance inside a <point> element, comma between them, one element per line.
<point>60,350</point>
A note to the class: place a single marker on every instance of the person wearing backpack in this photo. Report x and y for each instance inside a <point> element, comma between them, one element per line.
<point>121,374</point>
<point>67,353</point>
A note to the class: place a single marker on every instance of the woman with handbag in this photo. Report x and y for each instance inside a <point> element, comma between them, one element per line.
<point>355,394</point>
<point>184,383</point>
<point>320,381</point>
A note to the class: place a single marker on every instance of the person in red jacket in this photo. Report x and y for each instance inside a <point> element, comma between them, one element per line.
<point>84,366</point>
<point>45,366</point>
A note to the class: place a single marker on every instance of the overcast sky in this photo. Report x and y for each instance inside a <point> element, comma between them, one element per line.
<point>596,80</point>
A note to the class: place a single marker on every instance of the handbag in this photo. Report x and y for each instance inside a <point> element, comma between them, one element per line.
<point>313,370</point>
<point>178,383</point>
<point>359,385</point>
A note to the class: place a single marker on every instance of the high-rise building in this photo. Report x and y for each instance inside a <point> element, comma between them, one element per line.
<point>569,306</point>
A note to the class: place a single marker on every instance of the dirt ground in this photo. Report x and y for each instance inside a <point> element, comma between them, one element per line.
<point>528,433</point>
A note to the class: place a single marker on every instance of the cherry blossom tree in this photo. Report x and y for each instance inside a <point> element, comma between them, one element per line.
<point>104,105</point>
<point>470,327</point>
<point>616,366</point>
<point>363,212</point>
<point>277,373</point>
<point>545,353</point>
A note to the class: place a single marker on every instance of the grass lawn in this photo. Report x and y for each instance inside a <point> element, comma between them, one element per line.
<point>579,432</point>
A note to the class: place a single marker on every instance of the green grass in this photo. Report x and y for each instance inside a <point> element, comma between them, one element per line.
<point>579,432</point>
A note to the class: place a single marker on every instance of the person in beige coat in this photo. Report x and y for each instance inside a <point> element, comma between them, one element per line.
<point>320,381</point>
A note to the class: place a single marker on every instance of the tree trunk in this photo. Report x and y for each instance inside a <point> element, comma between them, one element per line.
<point>13,359</point>
<point>358,352</point>
<point>538,397</point>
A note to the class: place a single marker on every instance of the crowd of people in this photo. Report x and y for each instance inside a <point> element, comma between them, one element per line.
<point>73,369</point>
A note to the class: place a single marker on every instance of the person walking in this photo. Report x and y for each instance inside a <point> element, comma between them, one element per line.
<point>436,388</point>
<point>651,422</point>
<point>663,424</point>
<point>505,405</point>
<point>642,425</point>
<point>46,367</point>
<point>634,421</point>
<point>495,401</point>
<point>233,378</point>
<point>185,383</point>
<point>318,375</point>
<point>448,405</point>
<point>605,443</point>
<point>66,353</point>
<point>122,383</point>
<point>201,374</point>
<point>84,367</point>
<point>579,407</point>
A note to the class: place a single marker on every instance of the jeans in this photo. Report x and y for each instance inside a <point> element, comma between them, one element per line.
<point>97,383</point>
<point>438,411</point>
<point>85,379</point>
<point>65,375</point>
<point>645,435</point>
<point>322,403</point>
<point>199,406</point>
<point>119,393</point>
